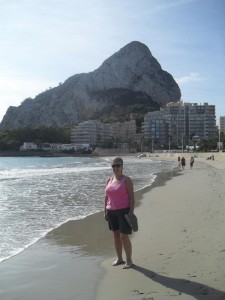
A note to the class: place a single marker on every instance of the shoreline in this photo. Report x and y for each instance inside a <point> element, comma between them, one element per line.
<point>41,154</point>
<point>167,155</point>
<point>79,244</point>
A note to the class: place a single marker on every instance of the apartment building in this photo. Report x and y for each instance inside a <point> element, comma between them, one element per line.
<point>94,132</point>
<point>155,127</point>
<point>91,132</point>
<point>124,131</point>
<point>178,122</point>
<point>202,121</point>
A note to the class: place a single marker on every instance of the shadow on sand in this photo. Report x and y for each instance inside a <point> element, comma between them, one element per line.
<point>197,290</point>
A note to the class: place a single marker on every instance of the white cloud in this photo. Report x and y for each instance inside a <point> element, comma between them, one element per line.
<point>192,77</point>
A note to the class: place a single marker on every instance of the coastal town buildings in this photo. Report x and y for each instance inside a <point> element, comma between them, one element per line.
<point>176,125</point>
<point>91,132</point>
<point>54,147</point>
<point>94,132</point>
<point>28,146</point>
<point>178,122</point>
<point>155,127</point>
<point>122,131</point>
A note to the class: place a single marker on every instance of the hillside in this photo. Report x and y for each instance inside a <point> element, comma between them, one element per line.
<point>130,81</point>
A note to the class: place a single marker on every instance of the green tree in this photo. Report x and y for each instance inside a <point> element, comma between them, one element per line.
<point>12,139</point>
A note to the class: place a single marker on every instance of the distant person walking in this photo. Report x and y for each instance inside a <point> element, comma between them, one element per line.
<point>183,162</point>
<point>192,162</point>
<point>178,159</point>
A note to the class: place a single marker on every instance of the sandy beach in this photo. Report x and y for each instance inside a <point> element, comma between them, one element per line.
<point>179,250</point>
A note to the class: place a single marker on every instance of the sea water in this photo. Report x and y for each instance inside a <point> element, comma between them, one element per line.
<point>38,194</point>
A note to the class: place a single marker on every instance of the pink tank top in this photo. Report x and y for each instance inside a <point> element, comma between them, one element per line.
<point>117,194</point>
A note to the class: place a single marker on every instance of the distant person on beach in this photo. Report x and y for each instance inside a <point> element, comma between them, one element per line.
<point>119,201</point>
<point>192,162</point>
<point>178,159</point>
<point>183,162</point>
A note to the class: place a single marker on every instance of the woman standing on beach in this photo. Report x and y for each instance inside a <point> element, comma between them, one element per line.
<point>119,201</point>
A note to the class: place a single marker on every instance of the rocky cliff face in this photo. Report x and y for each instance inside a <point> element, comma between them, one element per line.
<point>130,76</point>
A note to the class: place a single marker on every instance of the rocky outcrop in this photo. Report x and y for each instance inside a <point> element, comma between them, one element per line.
<point>129,77</point>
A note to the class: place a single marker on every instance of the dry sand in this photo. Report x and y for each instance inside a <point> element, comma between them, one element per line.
<point>179,250</point>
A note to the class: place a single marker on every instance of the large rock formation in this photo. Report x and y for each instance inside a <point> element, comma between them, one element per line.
<point>129,77</point>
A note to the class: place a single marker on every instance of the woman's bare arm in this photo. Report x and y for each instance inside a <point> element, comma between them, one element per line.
<point>130,191</point>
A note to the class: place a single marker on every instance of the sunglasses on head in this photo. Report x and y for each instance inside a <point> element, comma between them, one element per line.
<point>116,166</point>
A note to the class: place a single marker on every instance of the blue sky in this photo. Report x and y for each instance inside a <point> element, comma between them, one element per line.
<point>43,42</point>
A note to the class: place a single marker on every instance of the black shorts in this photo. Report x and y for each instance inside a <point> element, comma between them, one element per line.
<point>117,220</point>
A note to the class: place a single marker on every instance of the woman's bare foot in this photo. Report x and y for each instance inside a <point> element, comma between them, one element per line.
<point>118,262</point>
<point>128,265</point>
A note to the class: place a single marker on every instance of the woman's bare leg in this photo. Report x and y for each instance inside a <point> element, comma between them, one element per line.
<point>127,248</point>
<point>118,247</point>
